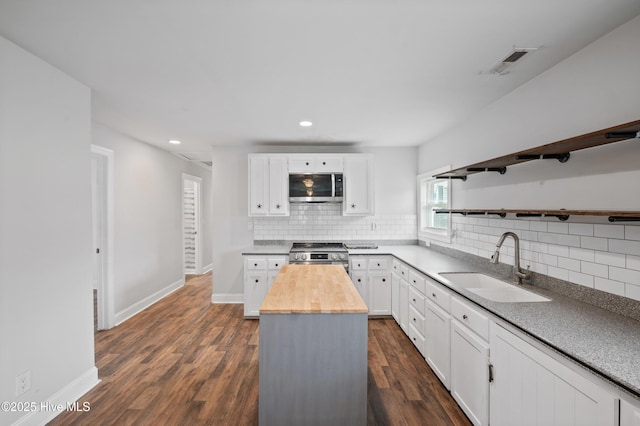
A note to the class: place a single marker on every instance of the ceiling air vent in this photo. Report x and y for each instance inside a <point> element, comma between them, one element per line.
<point>504,66</point>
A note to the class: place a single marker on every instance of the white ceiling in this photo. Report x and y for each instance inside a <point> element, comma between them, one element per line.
<point>370,72</point>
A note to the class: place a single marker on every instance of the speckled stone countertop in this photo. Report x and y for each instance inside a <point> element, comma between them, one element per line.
<point>604,342</point>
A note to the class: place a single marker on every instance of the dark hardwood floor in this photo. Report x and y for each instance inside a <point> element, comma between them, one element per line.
<point>185,361</point>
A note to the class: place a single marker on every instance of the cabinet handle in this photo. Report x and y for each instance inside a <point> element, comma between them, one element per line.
<point>433,294</point>
<point>277,206</point>
<point>384,280</point>
<point>414,281</point>
<point>464,317</point>
<point>259,206</point>
<point>257,280</point>
<point>353,206</point>
<point>307,163</point>
<point>490,373</point>
<point>378,265</point>
<point>255,264</point>
<point>414,300</point>
<point>276,265</point>
<point>414,339</point>
<point>324,163</point>
<point>414,320</point>
<point>359,280</point>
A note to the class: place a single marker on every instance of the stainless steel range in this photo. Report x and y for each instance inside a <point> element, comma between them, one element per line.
<point>319,253</point>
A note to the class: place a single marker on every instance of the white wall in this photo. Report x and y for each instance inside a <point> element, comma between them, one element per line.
<point>148,220</point>
<point>395,172</point>
<point>596,88</point>
<point>46,297</point>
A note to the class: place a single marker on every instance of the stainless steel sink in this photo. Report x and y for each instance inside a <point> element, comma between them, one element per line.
<point>491,288</point>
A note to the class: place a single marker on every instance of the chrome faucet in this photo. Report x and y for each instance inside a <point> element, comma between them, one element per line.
<point>518,273</point>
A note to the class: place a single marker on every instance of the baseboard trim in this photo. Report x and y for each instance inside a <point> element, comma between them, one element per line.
<point>140,306</point>
<point>235,298</point>
<point>208,268</point>
<point>65,398</point>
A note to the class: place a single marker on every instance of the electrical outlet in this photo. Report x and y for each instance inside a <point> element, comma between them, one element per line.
<point>23,382</point>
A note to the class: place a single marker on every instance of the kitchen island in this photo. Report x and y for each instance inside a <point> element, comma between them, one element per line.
<point>313,349</point>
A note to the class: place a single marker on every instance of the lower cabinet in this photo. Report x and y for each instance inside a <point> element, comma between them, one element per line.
<point>437,331</point>
<point>395,297</point>
<point>372,277</point>
<point>629,414</point>
<point>259,273</point>
<point>530,387</point>
<point>470,373</point>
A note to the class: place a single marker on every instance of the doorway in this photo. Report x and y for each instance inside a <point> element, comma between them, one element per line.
<point>191,224</point>
<point>102,231</point>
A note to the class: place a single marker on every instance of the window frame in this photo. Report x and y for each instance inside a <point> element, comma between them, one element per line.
<point>430,233</point>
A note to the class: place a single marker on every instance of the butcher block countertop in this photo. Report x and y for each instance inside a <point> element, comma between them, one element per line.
<point>313,289</point>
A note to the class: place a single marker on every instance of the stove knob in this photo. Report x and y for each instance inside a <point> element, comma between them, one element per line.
<point>304,257</point>
<point>297,256</point>
<point>341,256</point>
<point>334,256</point>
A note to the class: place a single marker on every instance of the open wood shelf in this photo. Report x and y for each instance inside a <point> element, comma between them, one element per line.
<point>562,214</point>
<point>560,151</point>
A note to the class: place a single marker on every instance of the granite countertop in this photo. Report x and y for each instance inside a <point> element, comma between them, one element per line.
<point>605,342</point>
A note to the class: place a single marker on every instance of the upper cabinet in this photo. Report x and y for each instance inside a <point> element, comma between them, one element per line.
<point>268,185</point>
<point>315,163</point>
<point>269,180</point>
<point>358,182</point>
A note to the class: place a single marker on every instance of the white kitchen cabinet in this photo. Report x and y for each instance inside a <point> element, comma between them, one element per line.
<point>278,186</point>
<point>629,414</point>
<point>437,333</point>
<point>359,279</point>
<point>268,186</point>
<point>470,364</point>
<point>530,387</point>
<point>358,186</point>
<point>372,277</point>
<point>259,273</point>
<point>404,299</point>
<point>395,296</point>
<point>315,163</point>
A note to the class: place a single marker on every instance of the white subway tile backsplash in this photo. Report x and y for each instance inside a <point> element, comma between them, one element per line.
<point>538,226</point>
<point>632,291</point>
<point>625,246</point>
<point>610,286</point>
<point>558,228</point>
<point>569,264</point>
<point>580,278</point>
<point>558,250</point>
<point>581,254</point>
<point>625,275</point>
<point>608,231</point>
<point>594,269</point>
<point>594,243</point>
<point>612,259</point>
<point>581,229</point>
<point>559,273</point>
<point>632,232</point>
<point>633,262</point>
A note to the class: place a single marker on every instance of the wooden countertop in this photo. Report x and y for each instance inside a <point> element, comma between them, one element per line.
<point>312,289</point>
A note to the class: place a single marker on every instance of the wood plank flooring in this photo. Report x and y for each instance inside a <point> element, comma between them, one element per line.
<point>185,361</point>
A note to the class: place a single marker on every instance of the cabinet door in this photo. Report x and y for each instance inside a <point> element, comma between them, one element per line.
<point>358,186</point>
<point>629,414</point>
<point>404,305</point>
<point>395,297</point>
<point>258,186</point>
<point>470,373</point>
<point>530,387</point>
<point>301,164</point>
<point>379,294</point>
<point>326,164</point>
<point>359,279</point>
<point>278,186</point>
<point>255,289</point>
<point>437,342</point>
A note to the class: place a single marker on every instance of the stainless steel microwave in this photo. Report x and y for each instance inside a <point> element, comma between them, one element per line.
<point>316,188</point>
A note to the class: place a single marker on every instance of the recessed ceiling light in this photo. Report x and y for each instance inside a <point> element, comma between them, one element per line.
<point>174,142</point>
<point>306,124</point>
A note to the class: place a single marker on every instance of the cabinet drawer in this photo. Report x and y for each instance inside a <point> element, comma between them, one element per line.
<point>301,164</point>
<point>256,264</point>
<point>256,279</point>
<point>358,263</point>
<point>416,319</point>
<point>396,266</point>
<point>378,264</point>
<point>329,164</point>
<point>404,272</point>
<point>416,338</point>
<point>418,281</point>
<point>438,295</point>
<point>416,299</point>
<point>471,317</point>
<point>275,263</point>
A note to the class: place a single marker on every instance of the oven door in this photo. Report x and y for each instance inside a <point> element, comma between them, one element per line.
<point>322,262</point>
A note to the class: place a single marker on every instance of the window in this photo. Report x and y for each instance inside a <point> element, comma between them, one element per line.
<point>434,194</point>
